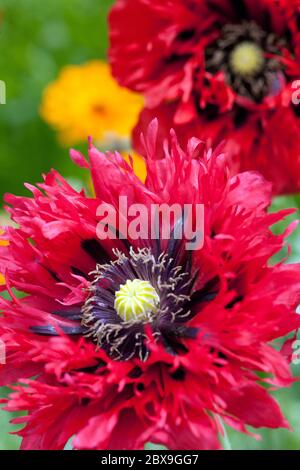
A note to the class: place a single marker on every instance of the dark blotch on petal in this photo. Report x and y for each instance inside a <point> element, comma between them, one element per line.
<point>135,373</point>
<point>241,116</point>
<point>78,272</point>
<point>93,248</point>
<point>211,111</point>
<point>140,387</point>
<point>237,299</point>
<point>179,374</point>
<point>186,35</point>
<point>50,330</point>
<point>92,369</point>
<point>296,109</point>
<point>173,58</point>
<point>72,314</point>
<point>240,8</point>
<point>297,17</point>
<point>85,401</point>
<point>52,274</point>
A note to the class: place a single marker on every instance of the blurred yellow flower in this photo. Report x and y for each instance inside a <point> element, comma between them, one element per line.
<point>86,100</point>
<point>2,243</point>
<point>139,165</point>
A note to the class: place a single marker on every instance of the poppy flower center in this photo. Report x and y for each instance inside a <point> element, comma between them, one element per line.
<point>250,59</point>
<point>134,292</point>
<point>141,296</point>
<point>247,59</point>
<point>135,300</point>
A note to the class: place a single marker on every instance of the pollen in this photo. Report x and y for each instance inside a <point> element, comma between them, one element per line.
<point>247,59</point>
<point>136,300</point>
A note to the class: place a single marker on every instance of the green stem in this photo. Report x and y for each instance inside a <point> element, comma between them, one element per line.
<point>224,435</point>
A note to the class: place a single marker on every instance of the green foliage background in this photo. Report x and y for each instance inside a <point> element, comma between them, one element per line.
<point>37,38</point>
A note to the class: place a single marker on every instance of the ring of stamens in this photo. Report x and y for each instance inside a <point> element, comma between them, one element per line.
<point>250,59</point>
<point>130,292</point>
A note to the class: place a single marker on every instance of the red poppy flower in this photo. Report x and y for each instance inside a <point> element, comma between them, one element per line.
<point>218,69</point>
<point>143,331</point>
